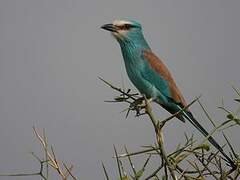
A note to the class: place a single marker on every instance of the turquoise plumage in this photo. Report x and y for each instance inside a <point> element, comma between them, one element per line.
<point>149,74</point>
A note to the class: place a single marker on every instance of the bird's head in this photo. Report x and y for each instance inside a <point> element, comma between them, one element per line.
<point>125,30</point>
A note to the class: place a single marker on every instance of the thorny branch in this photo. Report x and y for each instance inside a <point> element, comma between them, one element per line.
<point>190,161</point>
<point>50,160</point>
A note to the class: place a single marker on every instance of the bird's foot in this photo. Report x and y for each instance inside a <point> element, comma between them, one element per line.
<point>139,104</point>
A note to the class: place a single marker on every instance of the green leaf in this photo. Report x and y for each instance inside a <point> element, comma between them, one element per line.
<point>203,146</point>
<point>230,116</point>
<point>140,173</point>
<point>125,178</point>
<point>164,177</point>
<point>237,121</point>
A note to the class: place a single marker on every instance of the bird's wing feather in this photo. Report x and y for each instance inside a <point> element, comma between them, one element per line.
<point>157,65</point>
<point>164,75</point>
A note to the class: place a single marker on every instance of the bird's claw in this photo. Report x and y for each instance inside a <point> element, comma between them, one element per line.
<point>139,104</point>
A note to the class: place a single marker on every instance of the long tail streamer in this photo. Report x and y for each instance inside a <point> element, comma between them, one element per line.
<point>195,123</point>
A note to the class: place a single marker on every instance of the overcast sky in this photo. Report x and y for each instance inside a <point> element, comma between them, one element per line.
<point>52,52</point>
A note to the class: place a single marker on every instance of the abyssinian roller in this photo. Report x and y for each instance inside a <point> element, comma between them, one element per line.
<point>150,76</point>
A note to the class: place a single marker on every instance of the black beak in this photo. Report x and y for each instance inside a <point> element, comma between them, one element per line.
<point>109,27</point>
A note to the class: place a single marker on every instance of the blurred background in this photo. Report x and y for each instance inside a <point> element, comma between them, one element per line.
<point>52,52</point>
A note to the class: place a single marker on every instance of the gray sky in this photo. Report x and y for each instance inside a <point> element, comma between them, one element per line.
<point>52,51</point>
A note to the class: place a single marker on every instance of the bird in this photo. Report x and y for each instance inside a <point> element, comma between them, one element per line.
<point>151,76</point>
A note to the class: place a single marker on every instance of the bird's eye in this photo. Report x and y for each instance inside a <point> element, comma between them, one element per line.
<point>125,27</point>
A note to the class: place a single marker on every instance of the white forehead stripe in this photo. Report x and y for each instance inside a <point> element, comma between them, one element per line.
<point>120,22</point>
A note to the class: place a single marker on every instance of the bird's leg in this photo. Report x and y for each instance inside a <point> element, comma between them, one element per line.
<point>140,104</point>
<point>137,105</point>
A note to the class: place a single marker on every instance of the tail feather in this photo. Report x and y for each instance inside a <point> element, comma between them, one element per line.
<point>196,124</point>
